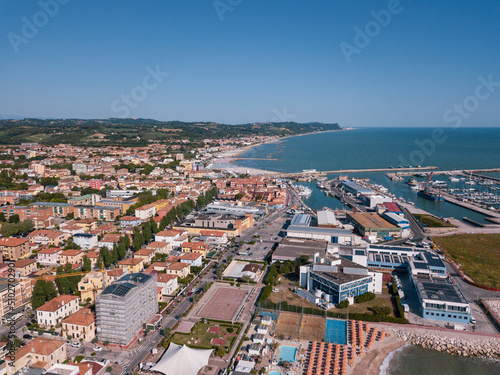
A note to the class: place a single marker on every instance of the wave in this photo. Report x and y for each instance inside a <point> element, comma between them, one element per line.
<point>384,367</point>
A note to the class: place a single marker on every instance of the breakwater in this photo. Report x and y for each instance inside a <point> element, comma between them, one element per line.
<point>482,346</point>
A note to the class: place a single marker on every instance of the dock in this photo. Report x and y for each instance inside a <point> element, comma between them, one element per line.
<point>339,171</point>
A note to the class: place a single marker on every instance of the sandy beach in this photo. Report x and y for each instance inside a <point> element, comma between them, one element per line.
<point>370,363</point>
<point>225,160</point>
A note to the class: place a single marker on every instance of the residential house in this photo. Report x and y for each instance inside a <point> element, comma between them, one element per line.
<point>49,255</point>
<point>24,267</point>
<point>109,240</point>
<point>172,236</point>
<point>145,254</point>
<point>40,352</point>
<point>130,221</point>
<point>72,229</point>
<point>50,313</point>
<point>194,259</point>
<point>215,237</point>
<point>93,256</point>
<point>177,268</point>
<point>132,265</point>
<point>80,325</point>
<point>92,284</point>
<point>195,247</point>
<point>145,212</point>
<point>85,240</point>
<point>168,283</point>
<point>71,256</point>
<point>116,274</point>
<point>159,247</point>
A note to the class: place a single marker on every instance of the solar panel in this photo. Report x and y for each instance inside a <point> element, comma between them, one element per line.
<point>420,265</point>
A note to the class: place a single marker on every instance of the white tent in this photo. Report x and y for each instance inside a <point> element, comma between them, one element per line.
<point>182,360</point>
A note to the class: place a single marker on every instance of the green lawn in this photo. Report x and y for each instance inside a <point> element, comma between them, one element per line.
<point>478,254</point>
<point>200,338</point>
<point>432,221</point>
<point>381,300</point>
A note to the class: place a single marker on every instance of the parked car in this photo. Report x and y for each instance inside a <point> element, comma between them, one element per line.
<point>76,344</point>
<point>27,337</point>
<point>97,348</point>
<point>472,320</point>
<point>68,342</point>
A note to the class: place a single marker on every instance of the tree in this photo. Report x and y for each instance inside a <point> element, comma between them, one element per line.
<point>153,224</point>
<point>72,245</point>
<point>43,291</point>
<point>122,250</point>
<point>70,216</point>
<point>49,181</point>
<point>14,219</point>
<point>138,240</point>
<point>200,202</point>
<point>2,217</point>
<point>238,196</point>
<point>146,232</point>
<point>87,264</point>
<point>11,229</point>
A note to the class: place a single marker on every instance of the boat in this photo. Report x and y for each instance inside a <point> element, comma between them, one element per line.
<point>412,182</point>
<point>470,182</point>
<point>430,196</point>
<point>415,187</point>
<point>454,179</point>
<point>309,170</point>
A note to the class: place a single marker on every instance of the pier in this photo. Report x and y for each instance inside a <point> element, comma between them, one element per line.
<point>338,171</point>
<point>463,173</point>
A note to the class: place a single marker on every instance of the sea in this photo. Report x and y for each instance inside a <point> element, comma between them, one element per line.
<point>367,148</point>
<point>370,148</point>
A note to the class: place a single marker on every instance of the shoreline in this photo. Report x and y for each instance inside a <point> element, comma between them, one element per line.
<point>372,361</point>
<point>235,154</point>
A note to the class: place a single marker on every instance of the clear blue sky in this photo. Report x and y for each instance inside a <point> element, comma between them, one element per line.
<point>252,62</point>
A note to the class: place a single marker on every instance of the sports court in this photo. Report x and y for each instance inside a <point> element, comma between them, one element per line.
<point>312,328</point>
<point>288,325</point>
<point>223,304</point>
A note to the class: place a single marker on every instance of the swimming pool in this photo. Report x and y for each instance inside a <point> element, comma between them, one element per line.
<point>275,373</point>
<point>287,353</point>
<point>336,331</point>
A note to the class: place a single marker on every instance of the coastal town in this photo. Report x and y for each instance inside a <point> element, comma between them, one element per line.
<point>173,259</point>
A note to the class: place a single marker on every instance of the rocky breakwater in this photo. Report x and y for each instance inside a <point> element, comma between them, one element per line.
<point>485,347</point>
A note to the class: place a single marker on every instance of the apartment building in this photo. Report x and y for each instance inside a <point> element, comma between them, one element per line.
<point>106,213</point>
<point>123,307</point>
<point>47,237</point>
<point>14,248</point>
